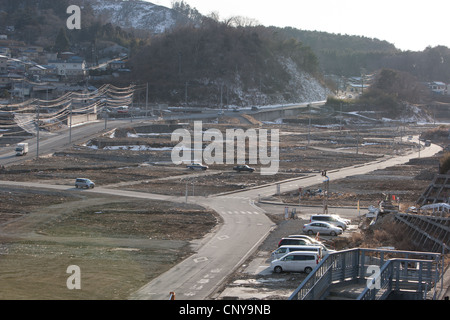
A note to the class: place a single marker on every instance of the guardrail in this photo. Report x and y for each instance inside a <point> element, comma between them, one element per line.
<point>396,269</point>
<point>397,274</point>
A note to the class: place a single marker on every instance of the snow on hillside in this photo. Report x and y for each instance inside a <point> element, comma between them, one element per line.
<point>303,87</point>
<point>306,87</point>
<point>136,14</point>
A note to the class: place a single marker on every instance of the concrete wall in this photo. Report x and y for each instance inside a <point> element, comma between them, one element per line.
<point>81,118</point>
<point>271,115</point>
<point>285,112</point>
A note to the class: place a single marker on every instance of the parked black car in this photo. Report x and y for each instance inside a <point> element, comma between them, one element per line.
<point>243,167</point>
<point>196,166</point>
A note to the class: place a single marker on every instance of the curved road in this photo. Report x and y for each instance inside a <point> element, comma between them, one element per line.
<point>244,227</point>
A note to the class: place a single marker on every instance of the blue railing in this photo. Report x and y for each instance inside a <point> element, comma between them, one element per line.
<point>395,270</point>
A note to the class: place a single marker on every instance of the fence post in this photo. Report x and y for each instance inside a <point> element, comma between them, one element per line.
<point>343,266</point>
<point>419,289</point>
<point>362,263</point>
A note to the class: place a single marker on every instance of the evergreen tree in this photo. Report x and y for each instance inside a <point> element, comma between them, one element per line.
<point>62,41</point>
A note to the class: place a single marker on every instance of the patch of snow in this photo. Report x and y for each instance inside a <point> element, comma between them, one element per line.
<point>137,148</point>
<point>307,87</point>
<point>136,14</point>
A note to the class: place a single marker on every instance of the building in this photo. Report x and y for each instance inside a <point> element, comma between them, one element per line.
<point>74,67</point>
<point>3,65</point>
<point>117,65</point>
<point>4,51</point>
<point>7,80</point>
<point>437,87</point>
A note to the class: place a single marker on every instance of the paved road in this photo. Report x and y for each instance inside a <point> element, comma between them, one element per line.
<point>314,179</point>
<point>219,254</point>
<point>223,250</point>
<point>53,142</point>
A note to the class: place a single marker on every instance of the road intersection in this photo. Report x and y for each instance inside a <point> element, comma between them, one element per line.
<point>244,226</point>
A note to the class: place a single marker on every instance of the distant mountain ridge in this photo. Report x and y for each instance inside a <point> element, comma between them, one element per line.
<point>140,15</point>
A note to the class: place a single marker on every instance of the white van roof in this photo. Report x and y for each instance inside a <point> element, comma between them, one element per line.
<point>301,246</point>
<point>301,252</point>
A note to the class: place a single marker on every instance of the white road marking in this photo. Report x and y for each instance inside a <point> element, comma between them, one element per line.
<point>201,259</point>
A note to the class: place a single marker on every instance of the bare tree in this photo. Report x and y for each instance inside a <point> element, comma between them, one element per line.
<point>241,21</point>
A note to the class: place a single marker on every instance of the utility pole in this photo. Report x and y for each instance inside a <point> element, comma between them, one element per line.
<point>326,185</point>
<point>186,93</point>
<point>146,101</point>
<point>309,126</point>
<point>179,63</point>
<point>221,94</point>
<point>37,132</point>
<point>106,118</point>
<point>357,141</point>
<point>70,124</point>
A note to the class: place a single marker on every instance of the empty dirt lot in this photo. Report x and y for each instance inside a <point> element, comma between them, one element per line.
<point>121,245</point>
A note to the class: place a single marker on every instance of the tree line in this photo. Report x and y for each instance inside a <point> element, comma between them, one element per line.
<point>347,55</point>
<point>217,55</point>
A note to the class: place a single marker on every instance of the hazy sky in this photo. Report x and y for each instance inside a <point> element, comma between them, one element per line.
<point>408,24</point>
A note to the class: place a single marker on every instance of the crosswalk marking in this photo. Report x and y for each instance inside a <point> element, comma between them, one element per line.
<point>241,212</point>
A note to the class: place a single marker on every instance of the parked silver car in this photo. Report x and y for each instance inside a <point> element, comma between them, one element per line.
<point>84,183</point>
<point>322,228</point>
<point>329,218</point>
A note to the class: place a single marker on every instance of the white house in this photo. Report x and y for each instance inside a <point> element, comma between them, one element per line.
<point>438,87</point>
<point>71,68</point>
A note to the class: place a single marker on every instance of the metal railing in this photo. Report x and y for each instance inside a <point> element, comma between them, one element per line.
<point>396,270</point>
<point>398,274</point>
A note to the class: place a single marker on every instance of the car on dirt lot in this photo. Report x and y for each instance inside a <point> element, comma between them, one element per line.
<point>196,166</point>
<point>243,167</point>
<point>322,228</point>
<point>84,183</point>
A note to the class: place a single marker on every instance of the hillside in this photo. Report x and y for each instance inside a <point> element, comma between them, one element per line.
<point>343,54</point>
<point>244,66</point>
<point>139,15</point>
<point>347,55</point>
<point>187,57</point>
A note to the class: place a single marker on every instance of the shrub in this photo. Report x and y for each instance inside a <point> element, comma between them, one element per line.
<point>444,163</point>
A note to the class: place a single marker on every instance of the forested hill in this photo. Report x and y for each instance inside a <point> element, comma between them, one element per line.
<point>205,56</point>
<point>347,55</point>
<point>343,54</point>
<point>240,64</point>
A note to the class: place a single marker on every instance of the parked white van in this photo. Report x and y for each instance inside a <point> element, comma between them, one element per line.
<point>299,261</point>
<point>283,250</point>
